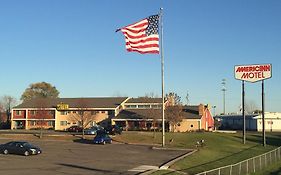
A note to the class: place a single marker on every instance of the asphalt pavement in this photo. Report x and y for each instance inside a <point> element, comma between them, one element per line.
<point>83,158</point>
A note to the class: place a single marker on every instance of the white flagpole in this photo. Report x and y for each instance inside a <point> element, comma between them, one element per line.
<point>162,76</point>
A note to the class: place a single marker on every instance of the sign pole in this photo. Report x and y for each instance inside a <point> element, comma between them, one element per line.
<point>263,119</point>
<point>243,112</point>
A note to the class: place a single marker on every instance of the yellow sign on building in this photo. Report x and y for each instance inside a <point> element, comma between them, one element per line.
<point>62,106</point>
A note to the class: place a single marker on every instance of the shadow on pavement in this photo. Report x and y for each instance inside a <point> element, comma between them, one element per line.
<point>84,168</point>
<point>83,141</point>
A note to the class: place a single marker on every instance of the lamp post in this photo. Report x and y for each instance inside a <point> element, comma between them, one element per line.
<point>223,92</point>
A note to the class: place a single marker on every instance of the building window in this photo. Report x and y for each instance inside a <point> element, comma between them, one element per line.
<point>33,112</point>
<point>32,123</point>
<point>191,126</point>
<point>131,106</point>
<point>63,113</point>
<point>144,106</point>
<point>156,106</point>
<point>50,123</point>
<point>18,112</point>
<point>63,123</point>
<point>51,112</point>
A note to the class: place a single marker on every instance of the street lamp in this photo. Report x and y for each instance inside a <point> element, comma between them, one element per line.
<point>223,92</point>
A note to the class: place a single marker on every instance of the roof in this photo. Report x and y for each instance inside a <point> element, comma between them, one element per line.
<point>188,113</point>
<point>238,116</point>
<point>138,114</point>
<point>102,102</point>
<point>144,100</point>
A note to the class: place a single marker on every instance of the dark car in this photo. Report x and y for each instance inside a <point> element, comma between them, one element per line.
<point>102,139</point>
<point>112,130</point>
<point>74,129</point>
<point>20,147</point>
<point>94,130</point>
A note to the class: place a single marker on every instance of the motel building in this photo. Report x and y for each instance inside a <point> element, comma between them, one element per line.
<point>60,113</point>
<point>128,113</point>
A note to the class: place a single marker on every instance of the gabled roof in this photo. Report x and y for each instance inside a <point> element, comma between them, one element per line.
<point>144,100</point>
<point>138,114</point>
<point>189,112</point>
<point>102,102</point>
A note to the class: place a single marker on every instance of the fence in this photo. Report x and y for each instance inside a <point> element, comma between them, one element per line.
<point>248,166</point>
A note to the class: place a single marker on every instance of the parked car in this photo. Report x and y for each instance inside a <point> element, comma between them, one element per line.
<point>102,139</point>
<point>112,130</point>
<point>74,129</point>
<point>94,130</point>
<point>20,147</point>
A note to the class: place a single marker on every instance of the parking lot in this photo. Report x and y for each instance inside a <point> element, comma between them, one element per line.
<point>75,158</point>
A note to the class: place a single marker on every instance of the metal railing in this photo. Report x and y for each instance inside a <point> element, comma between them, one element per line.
<point>248,166</point>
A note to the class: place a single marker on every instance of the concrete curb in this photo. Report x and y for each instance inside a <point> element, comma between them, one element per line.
<point>166,165</point>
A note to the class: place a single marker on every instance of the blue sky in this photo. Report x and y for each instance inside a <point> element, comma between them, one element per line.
<point>72,44</point>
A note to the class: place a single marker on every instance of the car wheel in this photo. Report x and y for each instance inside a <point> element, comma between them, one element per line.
<point>110,141</point>
<point>103,142</point>
<point>26,153</point>
<point>6,151</point>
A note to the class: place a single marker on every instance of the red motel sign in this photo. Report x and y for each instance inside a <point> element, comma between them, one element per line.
<point>253,73</point>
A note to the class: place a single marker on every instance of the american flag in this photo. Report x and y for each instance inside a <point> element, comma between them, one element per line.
<point>142,36</point>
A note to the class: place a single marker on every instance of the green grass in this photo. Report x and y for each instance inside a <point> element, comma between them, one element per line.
<point>274,169</point>
<point>221,149</point>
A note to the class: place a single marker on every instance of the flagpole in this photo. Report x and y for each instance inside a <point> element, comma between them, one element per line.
<point>162,76</point>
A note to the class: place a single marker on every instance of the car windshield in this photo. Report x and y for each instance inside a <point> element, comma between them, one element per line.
<point>26,144</point>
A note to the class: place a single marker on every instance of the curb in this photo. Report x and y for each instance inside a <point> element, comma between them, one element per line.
<point>166,165</point>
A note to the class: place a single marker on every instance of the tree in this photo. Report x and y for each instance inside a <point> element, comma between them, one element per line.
<point>7,103</point>
<point>173,99</point>
<point>250,107</point>
<point>40,90</point>
<point>83,115</point>
<point>41,114</point>
<point>174,115</point>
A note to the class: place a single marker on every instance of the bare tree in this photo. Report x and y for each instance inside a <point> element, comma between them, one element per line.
<point>41,114</point>
<point>7,103</point>
<point>173,99</point>
<point>83,115</point>
<point>151,95</point>
<point>250,106</point>
<point>174,115</point>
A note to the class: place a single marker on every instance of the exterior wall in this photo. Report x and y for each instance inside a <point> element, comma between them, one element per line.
<point>272,122</point>
<point>65,121</point>
<point>19,114</point>
<point>41,114</point>
<point>188,125</point>
<point>209,120</point>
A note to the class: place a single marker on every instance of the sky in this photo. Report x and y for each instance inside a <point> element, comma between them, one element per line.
<point>72,44</point>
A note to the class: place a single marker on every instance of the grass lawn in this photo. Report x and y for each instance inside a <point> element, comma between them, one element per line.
<point>220,149</point>
<point>274,169</point>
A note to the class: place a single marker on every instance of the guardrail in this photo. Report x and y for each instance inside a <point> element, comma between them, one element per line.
<point>247,166</point>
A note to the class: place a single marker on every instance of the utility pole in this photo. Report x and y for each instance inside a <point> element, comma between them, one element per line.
<point>223,93</point>
<point>214,110</point>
